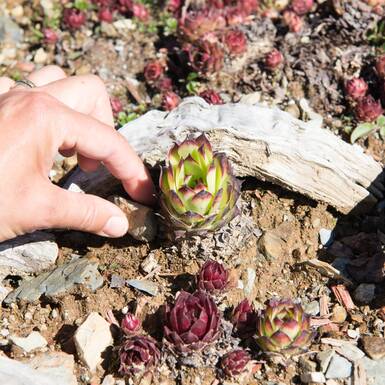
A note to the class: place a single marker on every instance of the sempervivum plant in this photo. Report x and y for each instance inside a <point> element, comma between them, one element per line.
<point>283,327</point>
<point>130,324</point>
<point>211,97</point>
<point>212,277</point>
<point>235,362</point>
<point>368,109</point>
<point>301,7</point>
<point>138,354</point>
<point>199,191</point>
<point>205,56</point>
<point>244,319</point>
<point>356,88</point>
<point>192,323</point>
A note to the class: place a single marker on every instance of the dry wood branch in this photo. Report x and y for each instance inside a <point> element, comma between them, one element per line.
<point>262,142</point>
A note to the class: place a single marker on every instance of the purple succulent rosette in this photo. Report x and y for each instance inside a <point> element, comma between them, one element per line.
<point>235,362</point>
<point>199,191</point>
<point>138,354</point>
<point>283,327</point>
<point>244,319</point>
<point>212,277</point>
<point>192,323</point>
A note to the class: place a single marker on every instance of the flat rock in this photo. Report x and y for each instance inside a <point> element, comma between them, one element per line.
<point>326,237</point>
<point>34,341</point>
<point>339,367</point>
<point>142,224</point>
<point>375,371</point>
<point>91,340</point>
<point>365,293</point>
<point>317,377</point>
<point>324,358</point>
<point>350,351</point>
<point>271,245</point>
<point>47,369</point>
<point>374,346</point>
<point>109,380</point>
<point>82,271</point>
<point>31,253</point>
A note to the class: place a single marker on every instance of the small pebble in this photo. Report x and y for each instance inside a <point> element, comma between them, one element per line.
<point>54,314</point>
<point>312,308</point>
<point>365,293</point>
<point>125,310</point>
<point>317,377</point>
<point>374,347</point>
<point>326,237</point>
<point>4,332</point>
<point>339,314</point>
<point>324,358</point>
<point>40,56</point>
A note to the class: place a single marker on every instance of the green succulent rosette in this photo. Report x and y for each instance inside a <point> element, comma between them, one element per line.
<point>198,189</point>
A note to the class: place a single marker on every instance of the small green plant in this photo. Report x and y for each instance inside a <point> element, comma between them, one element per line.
<point>376,36</point>
<point>81,5</point>
<point>169,23</point>
<point>192,84</point>
<point>126,117</point>
<point>366,128</point>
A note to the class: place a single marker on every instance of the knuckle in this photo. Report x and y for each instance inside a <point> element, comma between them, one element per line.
<point>38,101</point>
<point>55,71</point>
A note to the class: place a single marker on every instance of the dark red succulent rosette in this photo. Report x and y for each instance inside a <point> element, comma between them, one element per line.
<point>368,109</point>
<point>138,354</point>
<point>212,277</point>
<point>301,7</point>
<point>236,42</point>
<point>356,88</point>
<point>244,319</point>
<point>153,71</point>
<point>234,363</point>
<point>74,18</point>
<point>205,56</point>
<point>192,322</point>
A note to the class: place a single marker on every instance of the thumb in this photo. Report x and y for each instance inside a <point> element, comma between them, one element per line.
<point>85,212</point>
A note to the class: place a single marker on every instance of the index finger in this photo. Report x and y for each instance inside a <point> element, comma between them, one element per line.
<point>95,140</point>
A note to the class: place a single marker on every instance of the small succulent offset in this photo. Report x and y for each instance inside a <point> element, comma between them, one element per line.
<point>212,277</point>
<point>244,319</point>
<point>130,324</point>
<point>356,88</point>
<point>192,323</point>
<point>235,362</point>
<point>283,327</point>
<point>138,354</point>
<point>199,191</point>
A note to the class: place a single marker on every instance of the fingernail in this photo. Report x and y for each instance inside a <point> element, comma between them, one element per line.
<point>115,227</point>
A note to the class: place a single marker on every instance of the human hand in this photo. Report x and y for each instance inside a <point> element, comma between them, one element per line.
<point>69,115</point>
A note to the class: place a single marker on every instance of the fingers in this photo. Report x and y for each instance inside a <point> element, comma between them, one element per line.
<point>5,84</point>
<point>83,212</point>
<point>95,140</point>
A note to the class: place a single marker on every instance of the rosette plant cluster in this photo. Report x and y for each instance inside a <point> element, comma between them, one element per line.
<point>198,189</point>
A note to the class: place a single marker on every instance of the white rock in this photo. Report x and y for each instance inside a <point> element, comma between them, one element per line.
<point>34,341</point>
<point>351,352</point>
<point>324,358</point>
<point>326,236</point>
<point>29,253</point>
<point>317,377</point>
<point>91,340</point>
<point>109,380</point>
<point>40,56</point>
<point>48,369</point>
<point>339,367</point>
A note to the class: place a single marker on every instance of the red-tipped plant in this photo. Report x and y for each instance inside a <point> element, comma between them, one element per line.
<point>244,319</point>
<point>74,18</point>
<point>170,100</point>
<point>211,97</point>
<point>235,362</point>
<point>192,323</point>
<point>206,56</point>
<point>164,84</point>
<point>138,354</point>
<point>197,23</point>
<point>140,11</point>
<point>302,7</point>
<point>153,71</point>
<point>283,327</point>
<point>236,42</point>
<point>212,277</point>
<point>116,105</point>
<point>50,36</point>
<point>356,88</point>
<point>130,324</point>
<point>292,21</point>
<point>105,14</point>
<point>368,109</point>
<point>273,60</point>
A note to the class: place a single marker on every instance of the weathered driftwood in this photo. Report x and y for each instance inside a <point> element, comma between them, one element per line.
<point>262,142</point>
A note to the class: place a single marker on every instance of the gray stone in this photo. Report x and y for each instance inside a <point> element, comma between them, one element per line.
<point>375,371</point>
<point>31,253</point>
<point>374,346</point>
<point>9,31</point>
<point>34,341</point>
<point>142,224</point>
<point>312,308</point>
<point>326,237</point>
<point>351,352</point>
<point>339,367</point>
<point>324,358</point>
<point>82,271</point>
<point>307,365</point>
<point>317,377</point>
<point>91,339</point>
<point>271,245</point>
<point>148,287</point>
<point>365,293</point>
<point>46,369</point>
